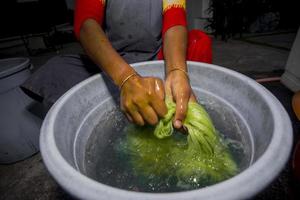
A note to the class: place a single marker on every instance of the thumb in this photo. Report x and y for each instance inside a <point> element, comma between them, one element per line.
<point>181,109</point>
<point>193,98</point>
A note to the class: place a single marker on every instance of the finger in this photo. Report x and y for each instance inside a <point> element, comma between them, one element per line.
<point>129,117</point>
<point>125,106</point>
<point>149,115</point>
<point>181,108</point>
<point>159,88</point>
<point>159,104</point>
<point>183,130</point>
<point>193,98</point>
<point>136,117</point>
<point>159,107</point>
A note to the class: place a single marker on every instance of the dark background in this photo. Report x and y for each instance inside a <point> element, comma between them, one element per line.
<point>32,17</point>
<point>230,17</point>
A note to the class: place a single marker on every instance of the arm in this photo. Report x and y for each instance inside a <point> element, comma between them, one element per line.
<point>175,48</point>
<point>141,98</point>
<point>100,50</point>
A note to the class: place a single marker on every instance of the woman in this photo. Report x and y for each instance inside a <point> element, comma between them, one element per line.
<point>115,33</point>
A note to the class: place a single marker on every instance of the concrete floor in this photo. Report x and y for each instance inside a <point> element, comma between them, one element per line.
<point>246,57</point>
<point>29,179</point>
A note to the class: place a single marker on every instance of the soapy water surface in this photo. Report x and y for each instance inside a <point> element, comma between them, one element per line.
<point>105,162</point>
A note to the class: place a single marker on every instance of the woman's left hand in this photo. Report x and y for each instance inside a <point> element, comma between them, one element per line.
<point>177,86</point>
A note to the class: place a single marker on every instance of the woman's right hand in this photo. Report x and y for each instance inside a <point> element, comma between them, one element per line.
<point>142,100</point>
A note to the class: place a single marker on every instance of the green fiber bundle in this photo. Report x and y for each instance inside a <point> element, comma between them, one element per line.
<point>196,160</point>
<point>202,134</point>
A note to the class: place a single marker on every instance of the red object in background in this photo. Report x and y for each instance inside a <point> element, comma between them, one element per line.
<point>296,162</point>
<point>199,47</point>
<point>296,104</point>
<point>295,185</point>
<point>296,156</point>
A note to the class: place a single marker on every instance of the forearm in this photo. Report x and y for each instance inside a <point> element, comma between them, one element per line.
<point>100,50</point>
<point>177,82</point>
<point>175,47</point>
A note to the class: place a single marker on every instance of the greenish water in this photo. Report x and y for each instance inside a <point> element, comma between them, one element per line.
<point>109,161</point>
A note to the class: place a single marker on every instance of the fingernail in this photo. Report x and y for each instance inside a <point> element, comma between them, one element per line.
<point>177,124</point>
<point>129,118</point>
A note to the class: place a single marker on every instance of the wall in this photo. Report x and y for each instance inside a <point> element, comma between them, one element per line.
<point>291,77</point>
<point>197,13</point>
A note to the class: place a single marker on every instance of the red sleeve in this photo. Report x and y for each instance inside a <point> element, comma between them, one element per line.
<point>173,14</point>
<point>87,9</point>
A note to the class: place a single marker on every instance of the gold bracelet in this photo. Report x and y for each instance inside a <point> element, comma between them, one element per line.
<point>126,79</point>
<point>177,68</point>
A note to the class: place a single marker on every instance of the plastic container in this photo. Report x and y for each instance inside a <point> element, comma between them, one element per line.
<point>73,118</point>
<point>19,129</point>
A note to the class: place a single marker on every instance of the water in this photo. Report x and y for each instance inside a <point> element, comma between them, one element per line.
<point>106,161</point>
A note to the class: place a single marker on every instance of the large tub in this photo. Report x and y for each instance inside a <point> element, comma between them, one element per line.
<point>239,107</point>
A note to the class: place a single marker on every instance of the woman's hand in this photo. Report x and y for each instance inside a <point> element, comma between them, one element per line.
<point>177,86</point>
<point>142,100</point>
